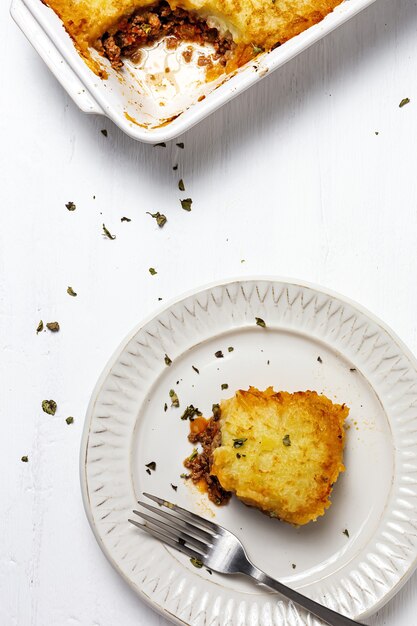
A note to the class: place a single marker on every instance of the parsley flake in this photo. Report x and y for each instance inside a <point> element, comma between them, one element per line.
<point>224,386</point>
<point>196,562</point>
<point>107,233</point>
<point>216,411</point>
<point>71,206</point>
<point>39,327</point>
<point>167,360</point>
<point>159,217</point>
<point>151,465</point>
<point>286,440</point>
<point>53,326</point>
<point>69,420</point>
<point>181,185</point>
<point>152,271</point>
<point>218,354</point>
<point>104,132</point>
<point>24,459</point>
<point>175,487</point>
<point>161,144</point>
<point>180,145</point>
<point>230,349</point>
<point>190,412</point>
<point>49,406</point>
<point>125,219</point>
<point>195,369</point>
<point>260,322</point>
<point>71,292</point>
<point>238,443</point>
<point>193,455</point>
<point>186,204</point>
<point>346,532</point>
<point>174,398</point>
<point>319,359</point>
<point>403,102</point>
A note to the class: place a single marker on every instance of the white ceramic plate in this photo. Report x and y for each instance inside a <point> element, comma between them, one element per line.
<point>361,363</point>
<point>143,100</point>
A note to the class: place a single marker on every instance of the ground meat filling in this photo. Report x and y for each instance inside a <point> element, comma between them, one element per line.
<point>145,27</point>
<point>199,466</point>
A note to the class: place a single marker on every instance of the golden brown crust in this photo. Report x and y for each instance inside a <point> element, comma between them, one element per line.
<point>259,23</point>
<point>291,455</point>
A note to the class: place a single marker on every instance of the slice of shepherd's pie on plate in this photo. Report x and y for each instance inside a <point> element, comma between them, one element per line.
<point>279,452</point>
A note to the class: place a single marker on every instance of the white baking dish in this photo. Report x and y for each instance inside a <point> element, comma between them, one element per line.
<point>144,101</point>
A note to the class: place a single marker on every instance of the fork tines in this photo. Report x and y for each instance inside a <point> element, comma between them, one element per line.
<point>187,532</point>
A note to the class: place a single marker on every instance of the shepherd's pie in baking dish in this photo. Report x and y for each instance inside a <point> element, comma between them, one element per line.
<point>237,29</point>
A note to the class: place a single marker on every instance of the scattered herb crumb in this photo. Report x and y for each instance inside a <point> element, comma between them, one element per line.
<point>39,327</point>
<point>175,167</point>
<point>125,219</point>
<point>159,217</point>
<point>376,132</point>
<point>352,369</point>
<point>216,411</point>
<point>403,102</point>
<point>180,145</point>
<point>152,271</point>
<point>107,233</point>
<point>71,206</point>
<point>218,354</point>
<point>193,454</point>
<point>319,359</point>
<point>71,292</point>
<point>225,386</point>
<point>196,562</point>
<point>24,459</point>
<point>148,471</point>
<point>186,204</point>
<point>167,360</point>
<point>267,362</point>
<point>346,532</point>
<point>69,420</point>
<point>181,185</point>
<point>49,406</point>
<point>185,476</point>
<point>174,398</point>
<point>286,440</point>
<point>243,260</point>
<point>151,465</point>
<point>162,144</point>
<point>209,571</point>
<point>195,369</point>
<point>165,407</point>
<point>175,487</point>
<point>257,49</point>
<point>104,132</point>
<point>238,443</point>
<point>293,565</point>
<point>260,322</point>
<point>159,299</point>
<point>53,326</point>
<point>190,412</point>
<point>230,349</point>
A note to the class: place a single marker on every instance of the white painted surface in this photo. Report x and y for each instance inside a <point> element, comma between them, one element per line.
<point>290,177</point>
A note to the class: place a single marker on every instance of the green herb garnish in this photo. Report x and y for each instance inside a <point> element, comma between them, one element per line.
<point>181,185</point>
<point>218,354</point>
<point>180,145</point>
<point>286,440</point>
<point>159,217</point>
<point>167,360</point>
<point>257,49</point>
<point>39,327</point>
<point>49,406</point>
<point>71,292</point>
<point>225,386</point>
<point>185,476</point>
<point>260,322</point>
<point>53,326</point>
<point>346,532</point>
<point>196,562</point>
<point>71,206</point>
<point>238,443</point>
<point>151,465</point>
<point>69,420</point>
<point>403,102</point>
<point>195,369</point>
<point>193,454</point>
<point>174,398</point>
<point>216,411</point>
<point>186,204</point>
<point>24,459</point>
<point>230,349</point>
<point>125,219</point>
<point>104,132</point>
<point>293,565</point>
<point>319,359</point>
<point>190,412</point>
<point>165,407</point>
<point>107,233</point>
<point>175,167</point>
<point>162,144</point>
<point>152,271</point>
<point>175,487</point>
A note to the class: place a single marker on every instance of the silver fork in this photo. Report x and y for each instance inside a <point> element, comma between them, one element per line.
<point>220,550</point>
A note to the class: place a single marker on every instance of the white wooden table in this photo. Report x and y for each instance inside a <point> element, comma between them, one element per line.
<point>310,175</point>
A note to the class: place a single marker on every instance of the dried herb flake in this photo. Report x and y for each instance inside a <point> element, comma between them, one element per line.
<point>175,167</point>
<point>71,206</point>
<point>403,102</point>
<point>225,386</point>
<point>71,292</point>
<point>152,271</point>
<point>190,412</point>
<point>238,443</point>
<point>218,354</point>
<point>159,217</point>
<point>346,532</point>
<point>186,204</point>
<point>49,406</point>
<point>69,420</point>
<point>195,369</point>
<point>104,132</point>
<point>196,562</point>
<point>165,407</point>
<point>53,326</point>
<point>260,322</point>
<point>24,459</point>
<point>193,455</point>
<point>319,359</point>
<point>167,360</point>
<point>125,219</point>
<point>151,465</point>
<point>174,398</point>
<point>180,145</point>
<point>181,185</point>
<point>107,233</point>
<point>230,349</point>
<point>286,440</point>
<point>175,487</point>
<point>161,144</point>
<point>39,327</point>
<point>216,411</point>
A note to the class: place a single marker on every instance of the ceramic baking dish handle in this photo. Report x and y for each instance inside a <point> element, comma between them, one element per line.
<point>53,59</point>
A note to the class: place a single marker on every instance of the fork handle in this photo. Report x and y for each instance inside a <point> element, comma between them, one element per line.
<point>320,611</point>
